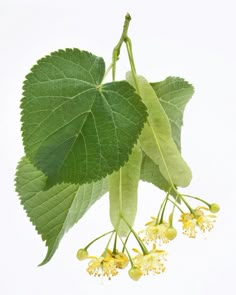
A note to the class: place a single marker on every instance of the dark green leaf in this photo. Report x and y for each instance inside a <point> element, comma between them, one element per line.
<point>75,129</point>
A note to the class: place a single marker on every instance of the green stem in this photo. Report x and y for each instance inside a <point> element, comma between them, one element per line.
<point>125,242</point>
<point>107,72</point>
<point>130,51</point>
<point>159,212</point>
<point>163,209</point>
<point>125,249</point>
<point>187,205</point>
<point>115,243</point>
<point>108,243</point>
<point>173,210</point>
<point>199,199</point>
<point>141,244</point>
<point>98,238</point>
<point>131,62</point>
<point>177,206</point>
<point>116,50</point>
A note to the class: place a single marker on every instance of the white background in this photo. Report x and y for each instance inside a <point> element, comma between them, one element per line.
<point>190,39</point>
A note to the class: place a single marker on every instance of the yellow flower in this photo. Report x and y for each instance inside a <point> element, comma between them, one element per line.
<point>121,260</point>
<point>204,221</point>
<point>154,232</point>
<point>197,219</point>
<point>104,265</point>
<point>189,224</point>
<point>107,264</point>
<point>151,262</point>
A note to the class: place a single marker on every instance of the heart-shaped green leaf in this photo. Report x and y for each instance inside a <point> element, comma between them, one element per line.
<point>54,211</point>
<point>75,129</point>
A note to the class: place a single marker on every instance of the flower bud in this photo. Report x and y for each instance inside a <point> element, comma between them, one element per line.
<point>171,233</point>
<point>214,208</point>
<point>82,254</point>
<point>135,273</point>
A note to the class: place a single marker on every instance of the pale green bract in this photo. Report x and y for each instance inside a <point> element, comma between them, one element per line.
<point>156,138</point>
<point>173,94</point>
<point>150,172</point>
<point>75,129</point>
<point>54,211</point>
<point>123,190</point>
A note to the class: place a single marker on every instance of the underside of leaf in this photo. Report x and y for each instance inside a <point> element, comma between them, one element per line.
<point>56,210</point>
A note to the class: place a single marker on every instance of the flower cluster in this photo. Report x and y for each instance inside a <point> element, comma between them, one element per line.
<point>158,231</point>
<point>107,264</point>
<point>162,232</point>
<point>153,261</point>
<point>198,218</point>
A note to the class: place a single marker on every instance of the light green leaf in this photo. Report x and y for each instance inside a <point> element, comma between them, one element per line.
<point>156,138</point>
<point>173,93</point>
<point>123,190</point>
<point>75,129</point>
<point>54,211</point>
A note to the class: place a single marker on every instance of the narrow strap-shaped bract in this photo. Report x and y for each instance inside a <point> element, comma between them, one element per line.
<point>156,138</point>
<point>123,190</point>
